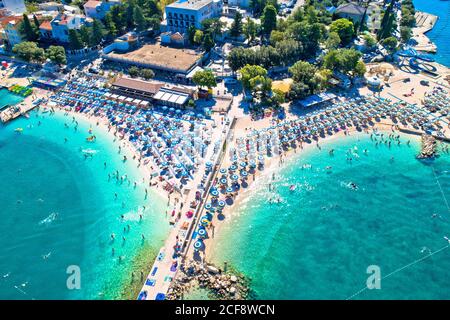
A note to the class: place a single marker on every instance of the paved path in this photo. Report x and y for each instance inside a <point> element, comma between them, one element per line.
<point>166,264</point>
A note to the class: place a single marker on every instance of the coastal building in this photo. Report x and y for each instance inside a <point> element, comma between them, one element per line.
<point>63,22</point>
<point>374,16</point>
<point>13,6</point>
<point>10,33</point>
<point>237,3</point>
<point>45,30</point>
<point>168,62</point>
<point>155,92</point>
<point>351,11</point>
<point>51,6</point>
<point>183,14</point>
<point>174,38</point>
<point>123,43</point>
<point>98,9</point>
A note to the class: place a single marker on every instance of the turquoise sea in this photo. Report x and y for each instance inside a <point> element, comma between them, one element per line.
<point>8,98</point>
<point>58,209</point>
<point>440,34</point>
<point>317,241</point>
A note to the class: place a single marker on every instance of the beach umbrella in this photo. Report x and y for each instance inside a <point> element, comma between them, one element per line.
<point>221,203</point>
<point>244,173</point>
<point>215,193</point>
<point>243,164</point>
<point>198,245</point>
<point>202,232</point>
<point>223,181</point>
<point>208,206</point>
<point>233,167</point>
<point>234,177</point>
<point>229,189</point>
<point>223,171</point>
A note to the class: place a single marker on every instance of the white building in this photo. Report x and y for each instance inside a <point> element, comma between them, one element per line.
<point>63,22</point>
<point>13,6</point>
<point>182,14</point>
<point>98,9</point>
<point>9,30</point>
<point>238,3</point>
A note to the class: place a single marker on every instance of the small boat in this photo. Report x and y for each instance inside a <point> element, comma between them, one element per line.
<point>90,139</point>
<point>20,130</point>
<point>26,115</point>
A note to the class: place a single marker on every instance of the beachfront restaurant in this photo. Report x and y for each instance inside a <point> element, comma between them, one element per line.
<point>126,90</point>
<point>317,99</point>
<point>173,97</point>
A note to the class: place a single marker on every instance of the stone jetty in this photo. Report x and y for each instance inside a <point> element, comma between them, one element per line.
<point>222,285</point>
<point>429,147</point>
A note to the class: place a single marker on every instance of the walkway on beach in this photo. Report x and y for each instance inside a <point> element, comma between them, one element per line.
<point>166,265</point>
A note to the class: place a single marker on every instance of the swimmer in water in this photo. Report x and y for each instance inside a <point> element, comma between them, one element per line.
<point>46,256</point>
<point>354,186</point>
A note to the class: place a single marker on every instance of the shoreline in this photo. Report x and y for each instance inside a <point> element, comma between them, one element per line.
<point>274,165</point>
<point>128,290</point>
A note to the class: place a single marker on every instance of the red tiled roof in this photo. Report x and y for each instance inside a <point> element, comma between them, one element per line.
<point>92,4</point>
<point>46,25</point>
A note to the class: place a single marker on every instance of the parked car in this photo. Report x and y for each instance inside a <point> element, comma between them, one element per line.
<point>230,81</point>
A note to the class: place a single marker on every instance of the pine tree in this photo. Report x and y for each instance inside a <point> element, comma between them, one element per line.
<point>139,19</point>
<point>75,41</point>
<point>97,32</point>
<point>236,26</point>
<point>30,32</point>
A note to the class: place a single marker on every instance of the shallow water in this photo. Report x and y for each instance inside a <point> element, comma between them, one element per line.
<point>8,99</point>
<point>58,209</point>
<point>317,241</point>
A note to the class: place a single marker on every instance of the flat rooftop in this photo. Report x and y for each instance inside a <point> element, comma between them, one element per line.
<point>160,57</point>
<point>189,4</point>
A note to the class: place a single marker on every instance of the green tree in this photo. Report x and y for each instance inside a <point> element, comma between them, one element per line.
<point>360,69</point>
<point>147,74</point>
<point>129,14</point>
<point>139,19</point>
<point>236,26</point>
<point>390,43</point>
<point>191,34</point>
<point>110,25</point>
<point>36,23</point>
<point>344,28</point>
<point>204,79</point>
<point>85,35</point>
<point>75,41</point>
<point>276,36</point>
<point>304,72</point>
<point>249,72</point>
<point>269,19</point>
<point>208,42</point>
<point>29,51</point>
<point>250,29</point>
<point>98,31</point>
<point>343,60</point>
<point>56,54</point>
<point>133,71</point>
<point>28,30</point>
<point>369,40</point>
<point>405,33</point>
<point>198,37</point>
<point>333,41</point>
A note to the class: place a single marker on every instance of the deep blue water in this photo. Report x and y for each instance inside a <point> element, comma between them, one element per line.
<point>440,34</point>
<point>317,242</point>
